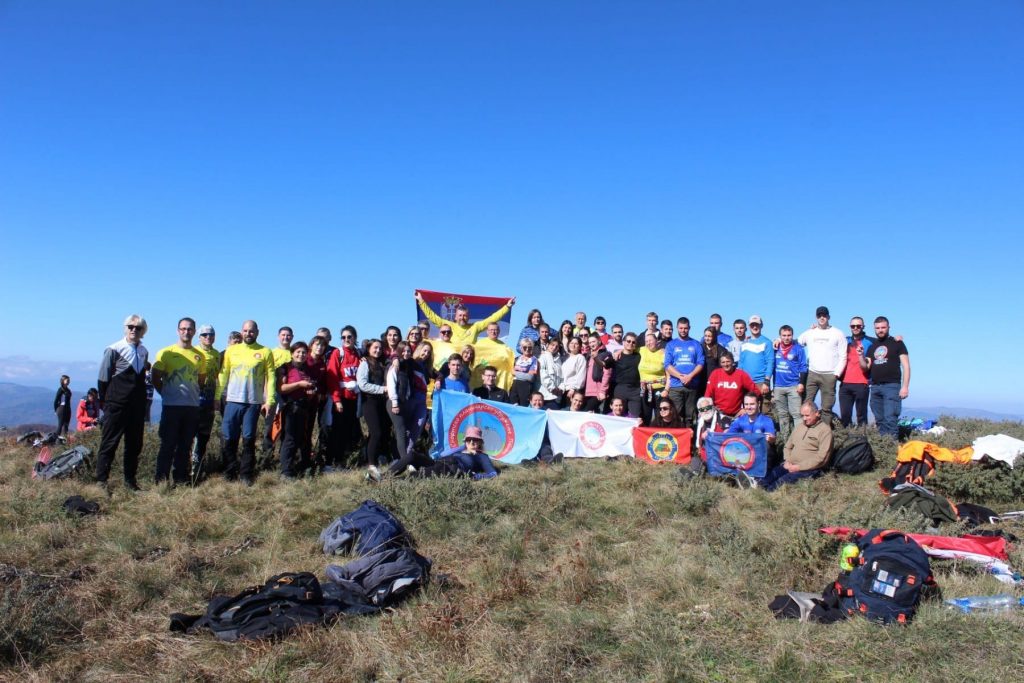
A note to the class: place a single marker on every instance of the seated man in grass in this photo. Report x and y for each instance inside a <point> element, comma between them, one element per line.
<point>806,453</point>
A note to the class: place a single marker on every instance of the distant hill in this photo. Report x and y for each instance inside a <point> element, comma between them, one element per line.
<point>930,413</point>
<point>21,405</point>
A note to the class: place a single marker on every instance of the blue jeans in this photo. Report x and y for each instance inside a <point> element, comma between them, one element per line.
<point>240,419</point>
<point>779,475</point>
<point>886,406</point>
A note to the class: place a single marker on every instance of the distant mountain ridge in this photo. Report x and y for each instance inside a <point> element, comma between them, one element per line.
<point>21,405</point>
<point>932,413</point>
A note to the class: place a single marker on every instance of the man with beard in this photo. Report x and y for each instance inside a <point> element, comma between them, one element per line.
<point>246,385</point>
<point>889,363</point>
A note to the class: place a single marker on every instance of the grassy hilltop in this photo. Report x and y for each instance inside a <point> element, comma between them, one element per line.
<point>587,571</point>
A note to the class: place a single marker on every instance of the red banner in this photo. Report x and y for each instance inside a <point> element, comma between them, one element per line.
<point>662,445</point>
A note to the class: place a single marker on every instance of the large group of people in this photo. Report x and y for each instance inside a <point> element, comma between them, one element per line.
<point>312,394</point>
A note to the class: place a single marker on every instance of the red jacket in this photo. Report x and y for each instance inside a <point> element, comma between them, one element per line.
<point>342,366</point>
<point>85,420</point>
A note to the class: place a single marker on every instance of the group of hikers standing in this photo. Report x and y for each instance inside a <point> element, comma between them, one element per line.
<point>306,388</point>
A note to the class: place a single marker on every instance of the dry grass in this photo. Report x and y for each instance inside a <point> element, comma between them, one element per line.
<point>603,571</point>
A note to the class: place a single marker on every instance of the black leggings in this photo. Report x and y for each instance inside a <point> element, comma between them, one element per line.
<point>375,412</point>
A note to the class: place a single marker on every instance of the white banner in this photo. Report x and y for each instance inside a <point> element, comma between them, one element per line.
<point>588,435</point>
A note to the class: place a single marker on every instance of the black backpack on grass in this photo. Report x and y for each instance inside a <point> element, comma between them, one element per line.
<point>282,604</point>
<point>379,580</point>
<point>854,457</point>
<point>892,576</point>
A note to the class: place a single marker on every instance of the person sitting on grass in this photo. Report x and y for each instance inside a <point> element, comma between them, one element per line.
<point>469,459</point>
<point>88,413</point>
<point>806,453</point>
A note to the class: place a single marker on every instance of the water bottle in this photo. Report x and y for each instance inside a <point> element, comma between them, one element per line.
<point>986,604</point>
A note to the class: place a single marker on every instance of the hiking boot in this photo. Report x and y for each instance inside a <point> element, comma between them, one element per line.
<point>247,481</point>
<point>410,469</point>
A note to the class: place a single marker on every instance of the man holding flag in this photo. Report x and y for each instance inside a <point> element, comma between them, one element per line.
<point>463,331</point>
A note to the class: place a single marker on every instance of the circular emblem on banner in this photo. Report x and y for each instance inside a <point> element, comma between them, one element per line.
<point>592,435</point>
<point>737,453</point>
<point>662,447</point>
<point>499,434</point>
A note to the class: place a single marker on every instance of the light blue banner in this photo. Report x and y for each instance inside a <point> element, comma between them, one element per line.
<point>511,434</point>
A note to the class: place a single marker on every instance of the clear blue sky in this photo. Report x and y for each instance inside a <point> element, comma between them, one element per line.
<point>314,163</point>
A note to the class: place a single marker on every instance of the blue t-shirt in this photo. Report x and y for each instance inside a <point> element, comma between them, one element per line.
<point>684,355</point>
<point>762,424</point>
<point>454,384</point>
<point>790,365</point>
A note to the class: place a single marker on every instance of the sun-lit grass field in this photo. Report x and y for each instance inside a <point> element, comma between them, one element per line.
<point>587,571</point>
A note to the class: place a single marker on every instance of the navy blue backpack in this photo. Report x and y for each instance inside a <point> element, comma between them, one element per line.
<point>892,575</point>
<point>368,528</point>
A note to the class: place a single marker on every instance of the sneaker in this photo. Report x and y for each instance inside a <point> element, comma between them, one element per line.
<point>373,474</point>
<point>410,470</point>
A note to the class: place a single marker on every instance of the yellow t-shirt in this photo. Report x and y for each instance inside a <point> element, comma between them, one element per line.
<point>212,369</point>
<point>652,367</point>
<point>281,357</point>
<point>494,354</point>
<point>247,374</point>
<point>181,371</point>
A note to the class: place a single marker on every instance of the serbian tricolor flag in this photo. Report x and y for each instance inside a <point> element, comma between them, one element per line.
<point>662,445</point>
<point>729,453</point>
<point>480,308</point>
<point>588,435</point>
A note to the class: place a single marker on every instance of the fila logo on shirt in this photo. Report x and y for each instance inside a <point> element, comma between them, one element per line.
<point>728,385</point>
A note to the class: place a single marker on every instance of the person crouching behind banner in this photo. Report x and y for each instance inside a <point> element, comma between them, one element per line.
<point>709,419</point>
<point>806,453</point>
<point>453,379</point>
<point>300,396</point>
<point>668,416</point>
<point>469,459</point>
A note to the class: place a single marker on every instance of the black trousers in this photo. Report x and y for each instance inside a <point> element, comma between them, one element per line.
<point>178,425</point>
<point>63,420</point>
<point>851,395</point>
<point>345,432</point>
<point>375,412</point>
<point>520,392</point>
<point>126,420</point>
<point>630,395</point>
<point>295,418</point>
